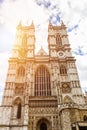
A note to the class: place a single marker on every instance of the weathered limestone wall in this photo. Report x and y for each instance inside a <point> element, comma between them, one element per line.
<point>5,113</point>
<point>14,128</point>
<point>4,128</point>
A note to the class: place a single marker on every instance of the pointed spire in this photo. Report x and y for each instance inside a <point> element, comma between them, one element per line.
<point>32,23</point>
<point>62,24</point>
<point>50,24</point>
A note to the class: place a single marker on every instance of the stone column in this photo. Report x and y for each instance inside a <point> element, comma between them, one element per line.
<point>77,127</point>
<point>65,120</point>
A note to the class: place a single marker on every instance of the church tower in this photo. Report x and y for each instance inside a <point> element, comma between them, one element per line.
<point>42,91</point>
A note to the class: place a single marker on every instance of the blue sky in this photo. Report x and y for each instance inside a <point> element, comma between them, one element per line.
<point>73,13</point>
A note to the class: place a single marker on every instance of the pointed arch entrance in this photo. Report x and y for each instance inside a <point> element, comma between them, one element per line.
<point>43,124</point>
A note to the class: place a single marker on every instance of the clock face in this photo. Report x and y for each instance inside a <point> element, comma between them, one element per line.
<point>60,54</point>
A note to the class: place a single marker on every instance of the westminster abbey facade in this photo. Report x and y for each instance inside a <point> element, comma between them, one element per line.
<point>42,90</point>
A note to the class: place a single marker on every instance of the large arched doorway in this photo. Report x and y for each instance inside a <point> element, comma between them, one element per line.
<point>43,126</point>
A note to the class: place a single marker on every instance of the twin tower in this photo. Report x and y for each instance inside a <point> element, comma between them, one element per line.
<point>42,91</point>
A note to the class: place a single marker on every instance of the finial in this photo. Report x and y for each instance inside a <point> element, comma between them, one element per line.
<point>62,23</point>
<point>32,22</point>
<point>50,24</point>
<point>32,25</point>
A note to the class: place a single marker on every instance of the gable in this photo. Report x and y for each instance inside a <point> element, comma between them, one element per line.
<point>41,52</point>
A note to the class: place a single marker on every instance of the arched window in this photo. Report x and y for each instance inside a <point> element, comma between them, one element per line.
<point>21,71</point>
<point>85,117</point>
<point>42,82</point>
<point>63,69</point>
<point>19,111</point>
<point>17,108</point>
<point>58,40</point>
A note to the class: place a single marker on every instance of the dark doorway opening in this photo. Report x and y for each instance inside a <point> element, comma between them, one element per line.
<point>43,126</point>
<point>82,127</point>
<point>73,128</point>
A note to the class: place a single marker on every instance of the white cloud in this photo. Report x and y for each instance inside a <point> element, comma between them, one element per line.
<point>82,70</point>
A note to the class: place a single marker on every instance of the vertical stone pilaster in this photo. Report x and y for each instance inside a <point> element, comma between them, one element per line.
<point>26,117</point>
<point>52,122</point>
<point>77,128</point>
<point>65,120</point>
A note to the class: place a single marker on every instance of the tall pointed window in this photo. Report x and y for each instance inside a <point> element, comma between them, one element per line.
<point>19,111</point>
<point>42,82</point>
<point>63,70</point>
<point>17,108</point>
<point>58,40</point>
<point>21,71</point>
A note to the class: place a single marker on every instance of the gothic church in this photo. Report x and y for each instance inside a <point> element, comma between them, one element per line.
<point>42,91</point>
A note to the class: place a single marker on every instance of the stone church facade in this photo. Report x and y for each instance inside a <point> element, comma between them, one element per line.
<point>42,91</point>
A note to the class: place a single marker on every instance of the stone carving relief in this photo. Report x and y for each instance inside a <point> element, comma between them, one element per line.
<point>66,88</point>
<point>43,110</point>
<point>5,113</point>
<point>65,119</point>
<point>67,99</point>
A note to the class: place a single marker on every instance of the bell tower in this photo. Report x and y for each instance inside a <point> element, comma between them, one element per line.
<point>24,45</point>
<point>60,53</point>
<point>15,97</point>
<point>58,40</point>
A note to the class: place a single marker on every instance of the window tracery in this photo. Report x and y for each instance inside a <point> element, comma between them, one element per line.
<point>63,69</point>
<point>58,40</point>
<point>42,82</point>
<point>21,71</point>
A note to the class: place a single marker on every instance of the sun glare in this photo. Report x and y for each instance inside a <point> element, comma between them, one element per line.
<point>26,12</point>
